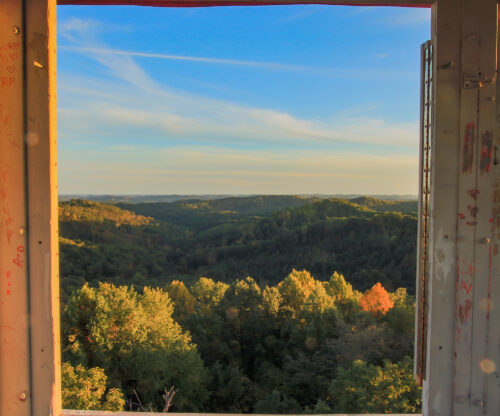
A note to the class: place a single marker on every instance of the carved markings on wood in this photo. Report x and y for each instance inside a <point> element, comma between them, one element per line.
<point>9,56</point>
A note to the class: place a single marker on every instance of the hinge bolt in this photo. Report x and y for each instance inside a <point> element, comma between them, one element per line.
<point>16,30</point>
<point>23,396</point>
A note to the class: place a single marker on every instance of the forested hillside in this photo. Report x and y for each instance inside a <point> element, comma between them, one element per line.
<point>159,308</point>
<point>230,238</point>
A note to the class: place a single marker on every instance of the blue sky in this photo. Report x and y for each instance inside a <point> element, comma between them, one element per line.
<point>239,100</point>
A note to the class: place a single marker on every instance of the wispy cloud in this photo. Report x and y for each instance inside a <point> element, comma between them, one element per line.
<point>251,64</point>
<point>168,116</point>
<point>83,36</point>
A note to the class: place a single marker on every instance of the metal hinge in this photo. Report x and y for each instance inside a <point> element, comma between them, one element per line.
<point>477,81</point>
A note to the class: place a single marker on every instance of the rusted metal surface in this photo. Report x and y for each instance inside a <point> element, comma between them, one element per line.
<point>424,208</point>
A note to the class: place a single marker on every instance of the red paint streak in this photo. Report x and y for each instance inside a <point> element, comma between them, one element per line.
<point>468,153</point>
<point>465,268</point>
<point>486,151</point>
<point>7,82</point>
<point>3,194</point>
<point>4,175</point>
<point>461,215</point>
<point>464,311</point>
<point>18,262</point>
<point>8,292</point>
<point>467,288</point>
<point>8,234</point>
<point>7,46</point>
<point>473,193</point>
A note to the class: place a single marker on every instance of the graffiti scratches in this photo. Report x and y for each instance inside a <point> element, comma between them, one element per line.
<point>473,193</point>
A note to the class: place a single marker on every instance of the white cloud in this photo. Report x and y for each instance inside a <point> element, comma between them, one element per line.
<point>166,114</point>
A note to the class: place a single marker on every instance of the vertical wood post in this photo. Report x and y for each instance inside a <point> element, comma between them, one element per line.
<point>15,391</point>
<point>463,335</point>
<point>43,244</point>
<point>29,281</point>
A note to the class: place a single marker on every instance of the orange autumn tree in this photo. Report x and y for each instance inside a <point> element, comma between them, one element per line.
<point>376,300</point>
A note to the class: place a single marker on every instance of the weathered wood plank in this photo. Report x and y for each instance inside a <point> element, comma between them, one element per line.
<point>42,205</point>
<point>483,249</point>
<point>490,364</point>
<point>445,154</point>
<point>14,337</point>
<point>467,210</point>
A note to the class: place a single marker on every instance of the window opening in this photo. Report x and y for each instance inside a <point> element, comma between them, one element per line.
<point>285,342</point>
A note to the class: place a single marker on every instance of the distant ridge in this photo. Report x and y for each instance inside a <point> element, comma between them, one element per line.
<point>138,199</point>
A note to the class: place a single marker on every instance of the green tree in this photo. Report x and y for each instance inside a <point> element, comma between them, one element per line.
<point>134,338</point>
<point>182,299</point>
<point>367,388</point>
<point>276,403</point>
<point>84,389</point>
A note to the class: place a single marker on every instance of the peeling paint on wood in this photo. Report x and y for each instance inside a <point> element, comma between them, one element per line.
<point>486,152</point>
<point>468,152</point>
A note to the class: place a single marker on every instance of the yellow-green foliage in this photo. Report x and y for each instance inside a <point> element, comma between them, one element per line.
<point>81,210</point>
<point>134,338</point>
<point>71,242</point>
<point>368,388</point>
<point>84,389</point>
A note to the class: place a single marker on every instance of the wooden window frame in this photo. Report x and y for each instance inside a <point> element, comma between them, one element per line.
<point>29,270</point>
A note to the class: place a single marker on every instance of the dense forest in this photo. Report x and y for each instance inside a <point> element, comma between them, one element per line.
<point>160,311</point>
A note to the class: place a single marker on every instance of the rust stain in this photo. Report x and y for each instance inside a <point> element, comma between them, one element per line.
<point>468,154</point>
<point>489,281</point>
<point>495,197</point>
<point>472,210</point>
<point>486,151</point>
<point>464,311</point>
<point>473,193</point>
<point>496,218</point>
